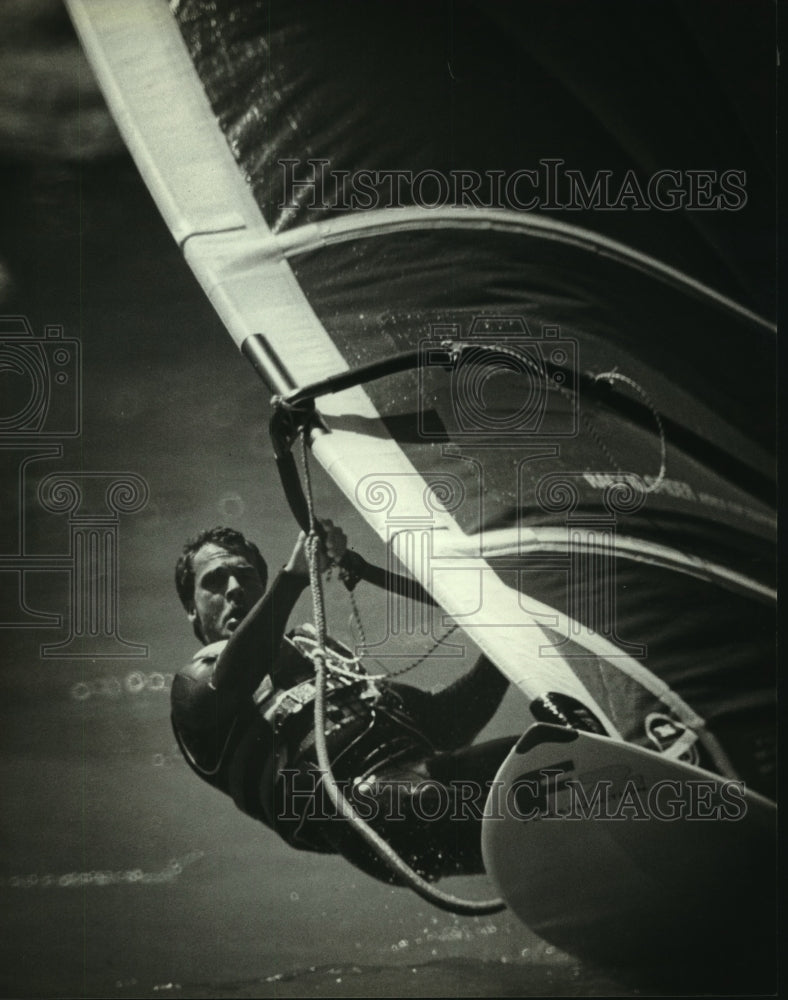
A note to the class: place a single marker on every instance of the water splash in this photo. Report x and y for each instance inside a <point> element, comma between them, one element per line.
<point>78,880</point>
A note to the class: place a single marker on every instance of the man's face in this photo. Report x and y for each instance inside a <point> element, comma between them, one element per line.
<point>226,586</point>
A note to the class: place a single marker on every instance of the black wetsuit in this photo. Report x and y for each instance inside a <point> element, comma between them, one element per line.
<point>402,754</point>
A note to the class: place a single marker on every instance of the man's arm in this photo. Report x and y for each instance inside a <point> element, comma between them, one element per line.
<point>209,692</point>
<point>253,648</point>
<point>453,717</point>
<point>467,705</point>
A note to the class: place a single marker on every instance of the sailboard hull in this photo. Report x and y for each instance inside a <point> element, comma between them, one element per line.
<point>625,856</point>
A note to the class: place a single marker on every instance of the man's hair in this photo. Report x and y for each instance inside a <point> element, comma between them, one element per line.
<point>227,538</point>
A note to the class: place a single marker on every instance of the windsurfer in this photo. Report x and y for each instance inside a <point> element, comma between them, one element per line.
<point>403,753</point>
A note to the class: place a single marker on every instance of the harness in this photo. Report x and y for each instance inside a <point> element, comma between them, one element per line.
<point>365,727</point>
<point>349,688</point>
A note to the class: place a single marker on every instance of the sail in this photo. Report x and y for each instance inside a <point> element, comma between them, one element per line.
<point>579,463</point>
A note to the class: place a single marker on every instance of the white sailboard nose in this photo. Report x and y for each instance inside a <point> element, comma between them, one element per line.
<point>620,854</point>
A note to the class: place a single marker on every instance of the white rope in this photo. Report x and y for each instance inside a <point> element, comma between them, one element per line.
<point>443,900</point>
<point>616,376</point>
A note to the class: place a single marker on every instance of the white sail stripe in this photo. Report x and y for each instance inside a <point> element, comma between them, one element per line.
<point>563,624</point>
<point>254,290</point>
<point>501,627</point>
<point>523,541</point>
<point>378,222</point>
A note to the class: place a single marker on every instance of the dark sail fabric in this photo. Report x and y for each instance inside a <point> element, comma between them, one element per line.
<point>633,378</point>
<point>495,86</point>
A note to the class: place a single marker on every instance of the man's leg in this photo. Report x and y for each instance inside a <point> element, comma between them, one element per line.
<point>429,811</point>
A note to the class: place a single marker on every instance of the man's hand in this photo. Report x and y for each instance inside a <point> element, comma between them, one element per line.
<point>330,552</point>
